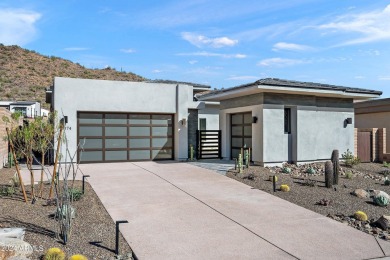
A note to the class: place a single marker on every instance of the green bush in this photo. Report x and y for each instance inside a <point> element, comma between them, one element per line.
<point>348,175</point>
<point>75,194</point>
<point>349,159</point>
<point>385,164</point>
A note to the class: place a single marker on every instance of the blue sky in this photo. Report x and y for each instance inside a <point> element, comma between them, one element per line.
<point>222,43</point>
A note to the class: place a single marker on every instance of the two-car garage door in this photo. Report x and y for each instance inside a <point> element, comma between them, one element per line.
<point>114,137</point>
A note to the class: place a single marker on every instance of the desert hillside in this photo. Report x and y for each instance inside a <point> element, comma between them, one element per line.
<point>25,74</point>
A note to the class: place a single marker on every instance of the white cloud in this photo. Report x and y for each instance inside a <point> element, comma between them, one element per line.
<point>192,62</point>
<point>76,49</point>
<point>360,77</point>
<point>213,54</point>
<point>157,71</point>
<point>203,41</point>
<point>18,26</point>
<point>243,78</point>
<point>281,62</point>
<point>128,50</point>
<point>384,78</point>
<point>370,26</point>
<point>290,47</point>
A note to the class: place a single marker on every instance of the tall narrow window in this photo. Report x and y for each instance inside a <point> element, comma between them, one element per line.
<point>287,120</point>
<point>202,123</point>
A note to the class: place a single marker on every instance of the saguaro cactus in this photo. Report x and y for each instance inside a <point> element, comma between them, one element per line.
<point>336,166</point>
<point>328,174</point>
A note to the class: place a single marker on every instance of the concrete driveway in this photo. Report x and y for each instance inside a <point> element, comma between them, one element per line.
<point>181,211</point>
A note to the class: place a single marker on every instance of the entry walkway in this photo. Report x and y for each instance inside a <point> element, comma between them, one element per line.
<point>180,211</point>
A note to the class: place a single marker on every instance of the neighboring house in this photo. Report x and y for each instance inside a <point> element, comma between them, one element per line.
<point>374,114</point>
<point>128,121</point>
<point>29,109</point>
<point>287,121</point>
<point>5,104</point>
<point>44,112</point>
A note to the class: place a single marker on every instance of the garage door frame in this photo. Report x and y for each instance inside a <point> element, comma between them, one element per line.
<point>152,117</point>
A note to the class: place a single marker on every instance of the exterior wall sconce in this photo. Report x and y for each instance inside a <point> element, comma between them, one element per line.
<point>254,119</point>
<point>183,122</point>
<point>348,121</point>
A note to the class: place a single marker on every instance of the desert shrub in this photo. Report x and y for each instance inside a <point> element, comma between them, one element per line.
<point>75,194</point>
<point>385,164</point>
<point>348,175</point>
<point>286,170</point>
<point>284,187</point>
<point>78,257</point>
<point>310,170</point>
<point>360,215</point>
<point>7,190</point>
<point>54,253</point>
<point>349,159</point>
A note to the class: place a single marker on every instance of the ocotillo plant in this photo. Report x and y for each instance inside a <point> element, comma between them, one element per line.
<point>336,166</point>
<point>328,174</point>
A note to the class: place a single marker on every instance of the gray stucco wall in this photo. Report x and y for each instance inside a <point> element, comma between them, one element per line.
<point>211,114</point>
<point>192,127</point>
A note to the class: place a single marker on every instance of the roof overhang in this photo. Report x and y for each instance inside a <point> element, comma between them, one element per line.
<point>255,89</point>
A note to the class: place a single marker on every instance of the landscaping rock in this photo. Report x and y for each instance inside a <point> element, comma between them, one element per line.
<point>383,222</point>
<point>12,233</point>
<point>15,247</point>
<point>378,193</point>
<point>360,193</point>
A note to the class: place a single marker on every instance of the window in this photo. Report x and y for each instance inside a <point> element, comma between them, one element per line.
<point>202,124</point>
<point>287,120</point>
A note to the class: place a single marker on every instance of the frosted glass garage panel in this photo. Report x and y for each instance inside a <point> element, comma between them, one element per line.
<point>139,119</point>
<point>237,130</point>
<point>91,143</point>
<point>115,131</point>
<point>162,154</point>
<point>89,156</point>
<point>116,119</point>
<point>161,142</point>
<point>116,155</point>
<point>161,130</point>
<point>237,142</point>
<point>161,119</point>
<point>248,142</point>
<point>237,119</point>
<point>140,155</point>
<point>248,130</point>
<point>139,143</point>
<point>248,118</point>
<point>87,118</point>
<point>139,131</point>
<point>116,143</point>
<point>90,131</point>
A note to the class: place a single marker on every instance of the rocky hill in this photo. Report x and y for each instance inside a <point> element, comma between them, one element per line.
<point>25,74</point>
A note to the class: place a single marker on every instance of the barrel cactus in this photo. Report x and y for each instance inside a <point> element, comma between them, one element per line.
<point>286,170</point>
<point>381,200</point>
<point>284,187</point>
<point>360,215</point>
<point>54,253</point>
<point>387,181</point>
<point>78,257</point>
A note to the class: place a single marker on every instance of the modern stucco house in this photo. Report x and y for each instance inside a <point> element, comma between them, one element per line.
<point>287,121</point>
<point>131,121</point>
<point>29,109</point>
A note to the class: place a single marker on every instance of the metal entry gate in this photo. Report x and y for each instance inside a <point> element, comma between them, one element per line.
<point>364,141</point>
<point>209,144</point>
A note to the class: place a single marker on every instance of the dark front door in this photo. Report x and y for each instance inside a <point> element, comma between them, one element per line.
<point>241,132</point>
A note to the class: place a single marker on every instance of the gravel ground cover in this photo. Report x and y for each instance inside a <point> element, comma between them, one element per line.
<point>308,190</point>
<point>93,230</point>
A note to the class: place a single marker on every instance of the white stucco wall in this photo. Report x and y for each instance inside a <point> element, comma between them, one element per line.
<point>211,114</point>
<point>73,95</point>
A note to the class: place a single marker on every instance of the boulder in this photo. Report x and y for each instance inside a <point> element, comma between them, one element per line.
<point>15,247</point>
<point>383,222</point>
<point>360,193</point>
<point>378,193</point>
<point>12,233</point>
